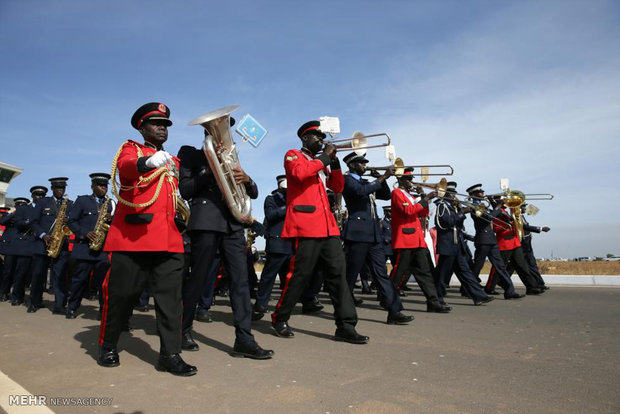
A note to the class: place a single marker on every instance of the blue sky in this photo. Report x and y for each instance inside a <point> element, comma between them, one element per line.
<point>517,89</point>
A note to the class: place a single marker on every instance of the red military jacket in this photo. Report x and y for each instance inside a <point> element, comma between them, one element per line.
<point>506,237</point>
<point>308,213</point>
<point>150,228</point>
<point>407,232</point>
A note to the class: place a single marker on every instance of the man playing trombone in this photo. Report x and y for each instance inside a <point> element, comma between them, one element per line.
<point>411,252</point>
<point>451,247</point>
<point>362,234</point>
<point>311,225</point>
<point>487,246</point>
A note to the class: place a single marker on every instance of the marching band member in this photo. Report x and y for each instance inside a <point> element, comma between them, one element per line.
<point>144,241</point>
<point>47,216</point>
<point>362,234</point>
<point>412,255</point>
<point>526,244</point>
<point>451,247</point>
<point>212,227</point>
<point>87,212</point>
<point>278,251</point>
<point>15,246</point>
<point>486,245</point>
<point>512,253</point>
<point>311,225</point>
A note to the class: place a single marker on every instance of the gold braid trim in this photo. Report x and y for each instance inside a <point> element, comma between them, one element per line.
<point>161,172</point>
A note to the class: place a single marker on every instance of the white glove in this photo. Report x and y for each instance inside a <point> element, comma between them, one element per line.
<point>159,159</point>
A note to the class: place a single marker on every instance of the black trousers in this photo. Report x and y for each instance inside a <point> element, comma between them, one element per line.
<point>8,270</point>
<point>22,264</point>
<point>273,265</point>
<point>417,262</point>
<point>500,276</point>
<point>357,255</point>
<point>129,273</point>
<point>459,264</point>
<point>232,251</point>
<point>515,259</point>
<point>327,254</point>
<point>533,266</point>
<point>81,276</point>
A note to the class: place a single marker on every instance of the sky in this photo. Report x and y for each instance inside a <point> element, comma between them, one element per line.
<point>526,90</point>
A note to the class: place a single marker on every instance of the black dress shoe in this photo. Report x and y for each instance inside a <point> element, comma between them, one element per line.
<point>534,291</point>
<point>175,365</point>
<point>405,287</point>
<point>188,343</point>
<point>283,330</point>
<point>485,300</point>
<point>4,297</point>
<point>17,302</point>
<point>351,337</point>
<point>357,301</point>
<point>545,287</point>
<point>108,357</point>
<point>203,316</point>
<point>438,308</point>
<point>311,308</point>
<point>144,308</point>
<point>514,296</point>
<point>32,309</point>
<point>71,314</point>
<point>401,293</point>
<point>251,350</point>
<point>399,319</point>
<point>57,311</point>
<point>491,292</point>
<point>366,291</point>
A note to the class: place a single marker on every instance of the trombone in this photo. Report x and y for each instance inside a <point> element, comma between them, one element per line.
<point>359,142</point>
<point>399,169</point>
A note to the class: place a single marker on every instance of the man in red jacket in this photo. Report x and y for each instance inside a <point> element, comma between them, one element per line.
<point>412,255</point>
<point>310,224</point>
<point>144,241</point>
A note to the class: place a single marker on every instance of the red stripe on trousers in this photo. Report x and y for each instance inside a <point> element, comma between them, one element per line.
<point>491,277</point>
<point>395,270</point>
<point>104,292</point>
<point>289,275</point>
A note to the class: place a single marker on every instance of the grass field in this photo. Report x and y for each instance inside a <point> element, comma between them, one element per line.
<point>555,268</point>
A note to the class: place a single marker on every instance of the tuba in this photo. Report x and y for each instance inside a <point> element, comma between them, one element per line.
<point>219,149</point>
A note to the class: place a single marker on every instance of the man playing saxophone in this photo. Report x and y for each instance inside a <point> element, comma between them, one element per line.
<point>49,226</point>
<point>89,220</point>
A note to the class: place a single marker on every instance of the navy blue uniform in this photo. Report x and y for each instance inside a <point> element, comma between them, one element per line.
<point>20,248</point>
<point>43,218</point>
<point>486,246</point>
<point>10,248</point>
<point>278,251</point>
<point>212,227</point>
<point>363,237</point>
<point>81,220</point>
<point>451,247</point>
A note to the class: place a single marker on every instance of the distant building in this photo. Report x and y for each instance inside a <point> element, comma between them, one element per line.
<point>7,173</point>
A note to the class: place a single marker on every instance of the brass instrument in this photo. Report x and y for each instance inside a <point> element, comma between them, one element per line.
<point>479,210</point>
<point>440,187</point>
<point>359,142</point>
<point>59,231</point>
<point>399,169</point>
<point>101,227</point>
<point>221,154</point>
<point>183,212</point>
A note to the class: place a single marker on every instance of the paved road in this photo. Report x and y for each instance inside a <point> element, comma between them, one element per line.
<point>558,353</point>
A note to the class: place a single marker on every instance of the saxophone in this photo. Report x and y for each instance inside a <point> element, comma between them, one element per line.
<point>59,231</point>
<point>101,227</point>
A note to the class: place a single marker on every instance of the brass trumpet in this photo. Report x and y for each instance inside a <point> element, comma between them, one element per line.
<point>439,187</point>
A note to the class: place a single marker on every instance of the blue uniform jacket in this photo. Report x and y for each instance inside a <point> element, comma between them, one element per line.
<point>20,236</point>
<point>43,217</point>
<point>275,212</point>
<point>484,229</point>
<point>449,225</point>
<point>82,219</point>
<point>386,230</point>
<point>360,225</point>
